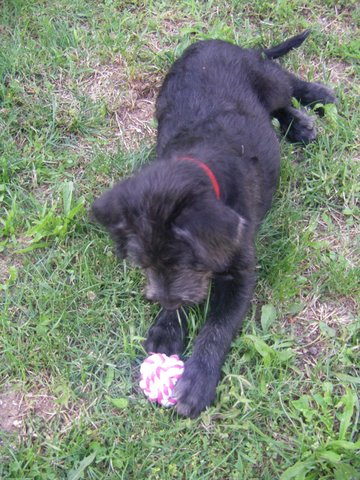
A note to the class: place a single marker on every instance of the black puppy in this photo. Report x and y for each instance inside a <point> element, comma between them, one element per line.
<point>191,216</point>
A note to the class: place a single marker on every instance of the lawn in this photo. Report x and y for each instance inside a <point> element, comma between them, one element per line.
<point>78,81</point>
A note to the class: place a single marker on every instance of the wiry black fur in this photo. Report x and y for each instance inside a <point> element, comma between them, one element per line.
<point>215,105</point>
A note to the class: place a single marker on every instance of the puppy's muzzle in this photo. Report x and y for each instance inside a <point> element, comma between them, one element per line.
<point>167,303</point>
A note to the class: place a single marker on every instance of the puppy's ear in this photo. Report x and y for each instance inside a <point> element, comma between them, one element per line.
<point>109,208</point>
<point>214,232</point>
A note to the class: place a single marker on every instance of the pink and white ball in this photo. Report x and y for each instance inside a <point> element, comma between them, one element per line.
<point>159,374</point>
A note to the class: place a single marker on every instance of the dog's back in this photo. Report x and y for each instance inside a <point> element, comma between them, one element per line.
<point>210,105</point>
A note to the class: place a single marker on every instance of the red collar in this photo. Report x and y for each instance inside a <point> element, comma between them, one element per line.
<point>208,172</point>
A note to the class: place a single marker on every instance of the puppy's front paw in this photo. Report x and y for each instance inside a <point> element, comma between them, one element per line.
<point>162,340</point>
<point>196,389</point>
<point>166,335</point>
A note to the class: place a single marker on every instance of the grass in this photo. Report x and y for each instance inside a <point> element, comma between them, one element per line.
<point>78,83</point>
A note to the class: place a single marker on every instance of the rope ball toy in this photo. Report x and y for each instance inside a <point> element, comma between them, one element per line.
<point>159,374</point>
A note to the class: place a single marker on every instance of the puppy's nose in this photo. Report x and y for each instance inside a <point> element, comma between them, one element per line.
<point>168,304</point>
<point>151,296</point>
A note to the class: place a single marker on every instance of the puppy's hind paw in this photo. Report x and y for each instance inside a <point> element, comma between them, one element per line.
<point>301,127</point>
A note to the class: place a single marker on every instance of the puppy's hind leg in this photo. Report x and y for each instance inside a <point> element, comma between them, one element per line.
<point>296,125</point>
<point>311,93</point>
<point>277,89</point>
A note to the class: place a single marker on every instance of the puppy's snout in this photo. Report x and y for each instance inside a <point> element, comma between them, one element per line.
<point>171,305</point>
<point>150,293</point>
<point>185,288</point>
<point>167,303</point>
<point>150,296</point>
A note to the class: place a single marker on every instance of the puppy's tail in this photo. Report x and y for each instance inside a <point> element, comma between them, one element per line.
<point>285,47</point>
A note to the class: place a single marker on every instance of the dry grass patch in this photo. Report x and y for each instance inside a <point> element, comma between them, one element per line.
<point>334,74</point>
<point>342,24</point>
<point>32,413</point>
<point>339,72</point>
<point>17,407</point>
<point>160,39</point>
<point>319,320</point>
<point>130,101</point>
<point>340,238</point>
<point>134,118</point>
<point>107,82</point>
<point>6,263</point>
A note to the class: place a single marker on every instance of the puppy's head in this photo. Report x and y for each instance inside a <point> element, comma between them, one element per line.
<point>180,235</point>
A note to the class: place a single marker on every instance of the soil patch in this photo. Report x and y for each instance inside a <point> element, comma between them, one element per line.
<point>129,100</point>
<point>313,326</point>
<point>22,413</point>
